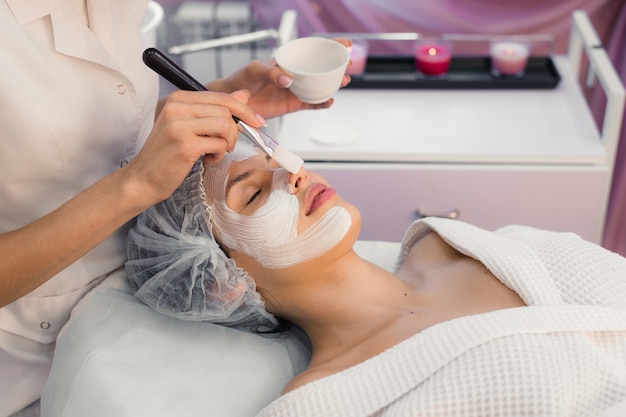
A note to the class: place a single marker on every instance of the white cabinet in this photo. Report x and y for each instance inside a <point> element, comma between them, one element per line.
<point>495,157</point>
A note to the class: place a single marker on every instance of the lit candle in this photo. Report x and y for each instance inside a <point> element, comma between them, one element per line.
<point>508,58</point>
<point>432,58</point>
<point>358,56</point>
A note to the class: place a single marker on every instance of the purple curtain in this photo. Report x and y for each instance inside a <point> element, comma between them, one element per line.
<point>446,16</point>
<point>429,17</point>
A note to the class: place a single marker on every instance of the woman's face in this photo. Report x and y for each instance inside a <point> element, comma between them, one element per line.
<point>252,181</point>
<point>278,218</point>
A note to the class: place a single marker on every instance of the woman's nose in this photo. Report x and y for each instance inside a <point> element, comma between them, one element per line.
<point>296,180</point>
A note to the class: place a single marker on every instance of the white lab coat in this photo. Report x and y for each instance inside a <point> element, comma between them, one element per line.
<point>77,103</point>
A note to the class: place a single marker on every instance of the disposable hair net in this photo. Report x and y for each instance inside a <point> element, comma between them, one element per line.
<point>176,267</point>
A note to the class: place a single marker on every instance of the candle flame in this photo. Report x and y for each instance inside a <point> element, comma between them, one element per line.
<point>432,51</point>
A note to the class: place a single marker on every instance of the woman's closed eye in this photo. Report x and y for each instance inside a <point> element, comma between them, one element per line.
<point>254,196</point>
<point>250,185</point>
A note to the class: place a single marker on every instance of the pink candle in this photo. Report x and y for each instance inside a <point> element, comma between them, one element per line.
<point>358,55</point>
<point>432,59</point>
<point>508,58</point>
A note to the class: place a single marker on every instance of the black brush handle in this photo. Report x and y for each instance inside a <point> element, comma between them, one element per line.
<point>168,69</point>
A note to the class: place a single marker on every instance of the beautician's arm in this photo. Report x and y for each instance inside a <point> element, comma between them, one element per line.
<point>268,86</point>
<point>191,124</point>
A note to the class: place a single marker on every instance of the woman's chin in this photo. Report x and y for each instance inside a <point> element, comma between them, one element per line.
<point>355,226</point>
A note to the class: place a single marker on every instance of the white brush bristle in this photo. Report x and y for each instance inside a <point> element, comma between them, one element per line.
<point>287,159</point>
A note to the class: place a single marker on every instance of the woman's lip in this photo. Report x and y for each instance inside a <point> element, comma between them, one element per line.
<point>317,195</point>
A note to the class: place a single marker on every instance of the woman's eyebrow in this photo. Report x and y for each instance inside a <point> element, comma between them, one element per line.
<point>237,179</point>
<point>243,176</point>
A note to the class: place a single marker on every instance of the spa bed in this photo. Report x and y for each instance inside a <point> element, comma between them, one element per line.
<point>118,357</point>
<point>563,353</point>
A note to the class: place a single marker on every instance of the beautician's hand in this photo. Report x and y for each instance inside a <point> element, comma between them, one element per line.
<point>191,124</point>
<point>269,86</point>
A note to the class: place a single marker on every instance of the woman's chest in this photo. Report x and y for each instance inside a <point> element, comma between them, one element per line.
<point>451,284</point>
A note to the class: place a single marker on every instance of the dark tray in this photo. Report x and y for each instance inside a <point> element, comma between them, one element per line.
<point>464,73</point>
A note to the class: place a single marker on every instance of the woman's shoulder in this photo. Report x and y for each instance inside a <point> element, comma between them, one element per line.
<point>415,232</point>
<point>306,376</point>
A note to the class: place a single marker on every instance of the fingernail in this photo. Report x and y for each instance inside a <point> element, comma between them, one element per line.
<point>285,81</point>
<point>261,120</point>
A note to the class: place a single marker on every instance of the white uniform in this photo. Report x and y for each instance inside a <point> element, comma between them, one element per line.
<point>77,103</point>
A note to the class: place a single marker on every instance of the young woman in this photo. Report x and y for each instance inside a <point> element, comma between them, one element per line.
<point>471,321</point>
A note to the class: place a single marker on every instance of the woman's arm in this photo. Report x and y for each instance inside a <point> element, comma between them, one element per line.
<point>269,87</point>
<point>191,124</point>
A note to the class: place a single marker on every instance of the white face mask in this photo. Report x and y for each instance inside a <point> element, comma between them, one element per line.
<point>270,234</point>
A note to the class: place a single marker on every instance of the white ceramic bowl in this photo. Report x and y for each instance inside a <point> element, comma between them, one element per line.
<point>317,66</point>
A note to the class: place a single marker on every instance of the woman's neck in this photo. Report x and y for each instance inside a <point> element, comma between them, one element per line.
<point>353,310</point>
<point>347,303</point>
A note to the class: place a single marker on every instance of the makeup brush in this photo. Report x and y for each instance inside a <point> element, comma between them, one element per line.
<point>169,70</point>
